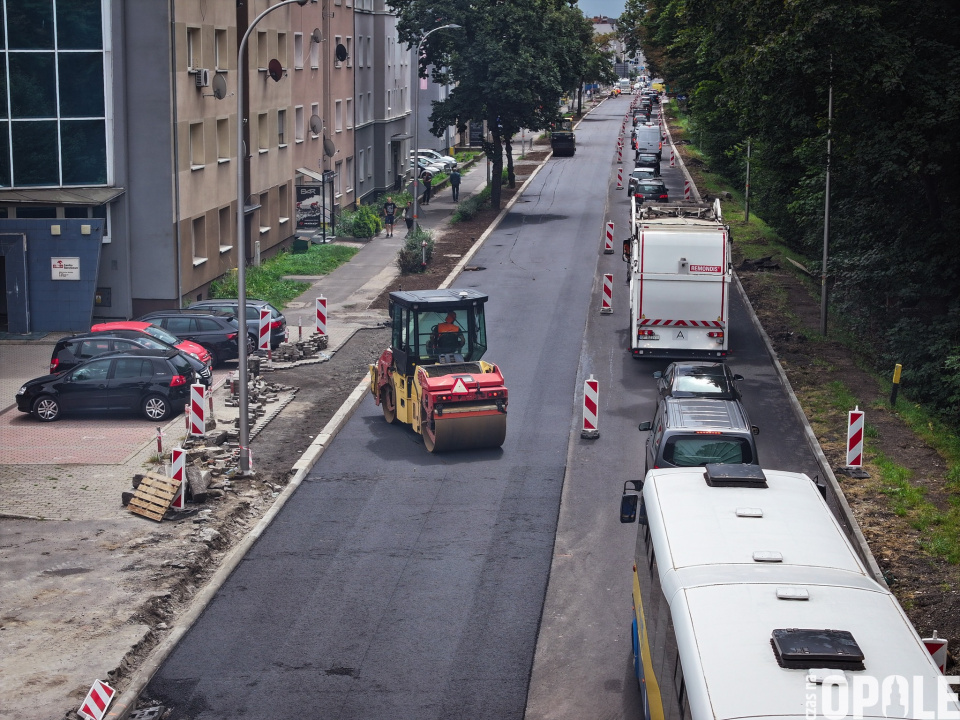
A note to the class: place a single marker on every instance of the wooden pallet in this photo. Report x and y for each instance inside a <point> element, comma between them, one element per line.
<point>153,497</point>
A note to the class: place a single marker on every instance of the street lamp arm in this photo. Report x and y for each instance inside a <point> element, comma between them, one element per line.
<point>416,127</point>
<point>244,460</point>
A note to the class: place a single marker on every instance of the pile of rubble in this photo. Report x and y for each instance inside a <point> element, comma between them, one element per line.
<point>291,352</point>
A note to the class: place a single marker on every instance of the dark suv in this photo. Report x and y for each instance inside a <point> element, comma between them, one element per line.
<point>153,382</point>
<point>278,323</point>
<point>217,332</point>
<point>71,351</point>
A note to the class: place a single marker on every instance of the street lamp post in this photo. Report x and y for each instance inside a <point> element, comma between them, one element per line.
<point>242,250</point>
<point>416,127</point>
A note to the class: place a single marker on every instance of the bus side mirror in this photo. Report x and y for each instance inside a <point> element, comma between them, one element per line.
<point>645,426</point>
<point>754,429</point>
<point>626,250</point>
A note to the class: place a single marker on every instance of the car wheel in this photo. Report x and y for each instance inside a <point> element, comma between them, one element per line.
<point>156,407</point>
<point>46,408</point>
<point>214,358</point>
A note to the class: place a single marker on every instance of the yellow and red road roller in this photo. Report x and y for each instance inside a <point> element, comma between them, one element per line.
<point>432,376</point>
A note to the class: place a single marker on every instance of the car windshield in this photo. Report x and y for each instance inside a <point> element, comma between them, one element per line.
<point>151,344</point>
<point>697,450</point>
<point>160,334</point>
<point>702,384</point>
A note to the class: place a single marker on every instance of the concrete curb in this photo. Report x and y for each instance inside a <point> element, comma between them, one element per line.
<point>126,701</point>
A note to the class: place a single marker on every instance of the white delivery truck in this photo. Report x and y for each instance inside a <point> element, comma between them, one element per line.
<point>680,274</point>
<point>626,88</point>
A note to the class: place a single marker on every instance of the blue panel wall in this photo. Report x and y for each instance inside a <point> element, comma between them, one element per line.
<point>59,305</point>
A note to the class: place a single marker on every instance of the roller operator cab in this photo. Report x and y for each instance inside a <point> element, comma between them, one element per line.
<point>432,376</point>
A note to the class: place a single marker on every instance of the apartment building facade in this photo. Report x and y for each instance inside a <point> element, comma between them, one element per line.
<point>118,142</point>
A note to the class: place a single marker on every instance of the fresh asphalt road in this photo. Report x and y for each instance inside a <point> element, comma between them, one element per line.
<point>398,584</point>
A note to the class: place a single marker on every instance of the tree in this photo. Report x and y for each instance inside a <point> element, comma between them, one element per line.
<point>510,62</point>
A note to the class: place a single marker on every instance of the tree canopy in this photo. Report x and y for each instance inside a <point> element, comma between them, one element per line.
<point>511,62</point>
<point>762,69</point>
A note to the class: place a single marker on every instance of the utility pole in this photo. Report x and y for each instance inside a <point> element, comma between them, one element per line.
<point>746,193</point>
<point>826,210</point>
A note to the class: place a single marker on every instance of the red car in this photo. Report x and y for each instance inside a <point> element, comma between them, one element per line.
<point>191,348</point>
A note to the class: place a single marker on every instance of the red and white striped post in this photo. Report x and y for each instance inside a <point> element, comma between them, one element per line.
<point>938,648</point>
<point>673,162</point>
<point>321,315</point>
<point>95,705</point>
<point>300,329</point>
<point>606,303</point>
<point>591,404</point>
<point>264,343</point>
<point>197,409</point>
<point>178,458</point>
<point>619,177</point>
<point>686,189</point>
<point>159,442</point>
<point>855,437</point>
<point>619,153</point>
<point>608,240</point>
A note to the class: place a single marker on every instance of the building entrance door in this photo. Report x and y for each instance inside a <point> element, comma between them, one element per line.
<point>15,303</point>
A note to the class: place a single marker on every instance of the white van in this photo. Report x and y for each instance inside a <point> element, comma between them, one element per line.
<point>649,140</point>
<point>625,87</point>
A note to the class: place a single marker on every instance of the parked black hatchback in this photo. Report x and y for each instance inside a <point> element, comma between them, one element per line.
<point>71,351</point>
<point>217,332</point>
<point>155,383</point>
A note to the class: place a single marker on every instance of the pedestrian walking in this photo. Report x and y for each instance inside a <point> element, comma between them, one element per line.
<point>455,184</point>
<point>389,211</point>
<point>408,216</point>
<point>427,184</point>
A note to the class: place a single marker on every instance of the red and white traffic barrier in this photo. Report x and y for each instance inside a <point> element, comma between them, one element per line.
<point>620,154</point>
<point>855,424</point>
<point>619,177</point>
<point>606,302</point>
<point>608,240</point>
<point>686,189</point>
<point>95,705</point>
<point>197,409</point>
<point>178,462</point>
<point>300,329</point>
<point>938,648</point>
<point>264,343</point>
<point>591,404</point>
<point>321,315</point>
<point>673,162</point>
<point>159,442</point>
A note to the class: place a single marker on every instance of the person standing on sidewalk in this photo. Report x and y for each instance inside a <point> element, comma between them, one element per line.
<point>455,184</point>
<point>389,210</point>
<point>408,216</point>
<point>427,184</point>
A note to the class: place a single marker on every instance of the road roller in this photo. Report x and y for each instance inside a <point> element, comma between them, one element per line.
<point>432,376</point>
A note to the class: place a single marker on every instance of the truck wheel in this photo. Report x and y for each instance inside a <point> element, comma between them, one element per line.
<point>388,403</point>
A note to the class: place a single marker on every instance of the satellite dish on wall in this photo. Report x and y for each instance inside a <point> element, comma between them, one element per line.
<point>316,124</point>
<point>275,70</point>
<point>329,149</point>
<point>219,86</point>
<point>317,36</point>
<point>341,53</point>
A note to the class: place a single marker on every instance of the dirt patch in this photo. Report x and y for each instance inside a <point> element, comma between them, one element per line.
<point>927,587</point>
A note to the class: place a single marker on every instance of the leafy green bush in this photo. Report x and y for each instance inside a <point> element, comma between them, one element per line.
<point>364,222</point>
<point>467,209</point>
<point>413,257</point>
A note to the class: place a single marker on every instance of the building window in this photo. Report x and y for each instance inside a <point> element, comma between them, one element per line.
<point>298,119</point>
<point>337,184</point>
<point>338,116</point>
<point>263,135</point>
<point>314,110</point>
<point>282,50</point>
<point>370,166</point>
<point>193,48</point>
<point>198,240</point>
<point>226,229</point>
<point>298,51</point>
<point>349,112</point>
<point>360,109</point>
<point>369,53</point>
<point>196,146</point>
<point>314,55</point>
<point>281,127</point>
<point>370,105</point>
<point>349,51</point>
<point>283,203</point>
<point>337,41</point>
<point>359,51</point>
<point>349,174</point>
<point>361,167</point>
<point>223,140</point>
<point>263,52</point>
<point>222,49</point>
